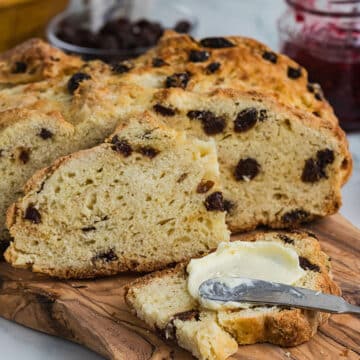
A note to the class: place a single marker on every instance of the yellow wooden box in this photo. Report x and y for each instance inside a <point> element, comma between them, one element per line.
<point>23,19</point>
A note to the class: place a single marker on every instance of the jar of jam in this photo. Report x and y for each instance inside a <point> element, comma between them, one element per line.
<point>324,37</point>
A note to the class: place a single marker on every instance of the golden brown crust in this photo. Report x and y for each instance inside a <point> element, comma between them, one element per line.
<point>15,116</point>
<point>166,96</point>
<point>287,327</point>
<point>38,61</point>
<point>11,215</point>
<point>169,96</point>
<point>90,272</point>
<point>241,66</point>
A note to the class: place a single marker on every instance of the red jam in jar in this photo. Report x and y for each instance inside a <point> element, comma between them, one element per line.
<point>324,37</point>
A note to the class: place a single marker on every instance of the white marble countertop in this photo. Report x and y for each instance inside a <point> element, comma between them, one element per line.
<point>254,18</point>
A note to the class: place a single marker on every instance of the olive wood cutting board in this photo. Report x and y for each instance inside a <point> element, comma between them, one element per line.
<point>94,314</point>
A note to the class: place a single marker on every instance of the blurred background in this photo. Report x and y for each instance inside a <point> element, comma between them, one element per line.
<point>21,19</point>
<point>322,35</point>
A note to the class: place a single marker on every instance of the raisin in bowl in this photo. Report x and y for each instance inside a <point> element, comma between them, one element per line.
<point>119,38</point>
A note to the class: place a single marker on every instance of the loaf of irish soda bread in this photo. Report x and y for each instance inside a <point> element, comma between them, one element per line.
<point>92,98</point>
<point>163,299</point>
<point>279,166</point>
<point>148,197</point>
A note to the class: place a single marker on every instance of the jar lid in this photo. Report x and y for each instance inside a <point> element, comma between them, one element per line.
<point>332,8</point>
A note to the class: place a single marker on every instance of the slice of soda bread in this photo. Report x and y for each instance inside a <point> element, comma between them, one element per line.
<point>147,198</point>
<point>162,300</point>
<point>279,166</point>
<point>48,134</point>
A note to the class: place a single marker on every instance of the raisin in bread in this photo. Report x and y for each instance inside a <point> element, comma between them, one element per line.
<point>279,166</point>
<point>162,300</point>
<point>148,197</point>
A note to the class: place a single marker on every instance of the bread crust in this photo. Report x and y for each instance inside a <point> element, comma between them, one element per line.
<point>237,65</point>
<point>41,60</point>
<point>15,116</point>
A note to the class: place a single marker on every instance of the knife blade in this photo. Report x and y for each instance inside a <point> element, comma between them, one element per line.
<point>270,293</point>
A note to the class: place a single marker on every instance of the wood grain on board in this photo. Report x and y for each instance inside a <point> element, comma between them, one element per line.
<point>94,314</point>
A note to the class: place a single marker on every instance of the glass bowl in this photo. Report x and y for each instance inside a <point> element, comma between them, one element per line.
<point>165,12</point>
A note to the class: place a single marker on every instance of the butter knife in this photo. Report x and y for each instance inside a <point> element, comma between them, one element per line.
<point>261,292</point>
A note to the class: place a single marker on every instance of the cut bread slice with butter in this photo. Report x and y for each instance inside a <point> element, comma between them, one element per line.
<point>163,300</point>
<point>148,197</point>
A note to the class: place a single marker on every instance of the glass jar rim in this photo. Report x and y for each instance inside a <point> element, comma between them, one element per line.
<point>324,12</point>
